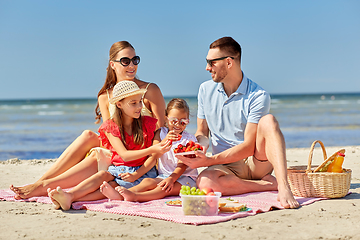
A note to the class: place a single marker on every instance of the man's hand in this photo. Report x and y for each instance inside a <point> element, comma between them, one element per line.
<point>201,160</point>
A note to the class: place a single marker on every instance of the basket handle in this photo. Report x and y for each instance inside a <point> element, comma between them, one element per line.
<point>312,151</point>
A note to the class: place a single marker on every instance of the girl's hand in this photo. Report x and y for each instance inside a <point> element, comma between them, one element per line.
<point>166,185</point>
<point>129,177</point>
<point>172,136</point>
<point>161,147</point>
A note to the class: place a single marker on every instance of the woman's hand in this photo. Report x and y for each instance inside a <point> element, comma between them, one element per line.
<point>167,184</point>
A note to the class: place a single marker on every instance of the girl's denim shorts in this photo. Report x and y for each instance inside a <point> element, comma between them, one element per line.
<point>116,170</point>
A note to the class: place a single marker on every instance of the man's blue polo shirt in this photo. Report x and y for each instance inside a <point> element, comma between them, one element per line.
<point>227,116</point>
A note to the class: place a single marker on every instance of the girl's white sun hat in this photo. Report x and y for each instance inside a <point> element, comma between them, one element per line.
<point>125,89</point>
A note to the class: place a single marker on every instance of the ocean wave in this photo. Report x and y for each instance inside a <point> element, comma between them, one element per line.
<point>40,106</point>
<point>43,113</point>
<point>334,102</point>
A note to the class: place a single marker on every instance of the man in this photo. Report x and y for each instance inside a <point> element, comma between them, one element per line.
<point>247,143</point>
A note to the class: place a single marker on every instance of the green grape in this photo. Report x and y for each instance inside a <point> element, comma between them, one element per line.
<point>183,192</point>
<point>187,188</point>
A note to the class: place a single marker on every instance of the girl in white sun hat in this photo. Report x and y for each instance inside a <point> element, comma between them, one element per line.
<point>128,136</point>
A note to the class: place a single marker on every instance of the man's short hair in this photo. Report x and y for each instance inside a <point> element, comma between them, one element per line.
<point>229,46</point>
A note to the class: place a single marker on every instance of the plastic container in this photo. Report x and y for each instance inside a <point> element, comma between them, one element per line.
<point>200,205</point>
<point>336,165</point>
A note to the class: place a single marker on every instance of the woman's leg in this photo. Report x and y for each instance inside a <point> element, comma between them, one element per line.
<point>73,154</point>
<point>73,176</point>
<point>80,191</point>
<point>69,158</point>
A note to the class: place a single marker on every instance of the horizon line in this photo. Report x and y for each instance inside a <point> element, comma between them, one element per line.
<point>168,96</point>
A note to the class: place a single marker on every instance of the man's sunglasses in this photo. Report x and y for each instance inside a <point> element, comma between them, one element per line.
<point>175,121</point>
<point>125,61</point>
<point>210,61</point>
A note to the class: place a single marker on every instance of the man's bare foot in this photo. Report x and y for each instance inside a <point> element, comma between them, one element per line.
<point>127,194</point>
<point>110,192</point>
<point>64,199</point>
<point>56,204</point>
<point>28,191</point>
<point>286,198</point>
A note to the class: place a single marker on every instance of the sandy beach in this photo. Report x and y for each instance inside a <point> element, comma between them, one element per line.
<point>327,219</point>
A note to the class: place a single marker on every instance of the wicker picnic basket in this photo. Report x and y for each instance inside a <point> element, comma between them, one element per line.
<point>310,181</point>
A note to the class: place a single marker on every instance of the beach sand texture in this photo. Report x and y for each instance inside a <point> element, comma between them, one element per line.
<point>327,219</point>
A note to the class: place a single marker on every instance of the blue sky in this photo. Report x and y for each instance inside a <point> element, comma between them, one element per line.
<point>59,49</point>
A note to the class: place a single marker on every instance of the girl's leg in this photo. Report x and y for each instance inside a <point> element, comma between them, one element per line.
<point>108,189</point>
<point>145,185</point>
<point>156,193</point>
<point>88,186</point>
<point>69,158</point>
<point>70,178</point>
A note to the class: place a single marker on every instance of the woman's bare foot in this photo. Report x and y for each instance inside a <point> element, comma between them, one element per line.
<point>286,198</point>
<point>56,204</point>
<point>28,191</point>
<point>64,199</point>
<point>110,192</point>
<point>126,194</point>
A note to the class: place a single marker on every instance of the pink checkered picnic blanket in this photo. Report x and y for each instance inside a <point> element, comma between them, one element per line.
<point>258,202</point>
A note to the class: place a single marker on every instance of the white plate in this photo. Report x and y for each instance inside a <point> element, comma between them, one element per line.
<point>185,153</point>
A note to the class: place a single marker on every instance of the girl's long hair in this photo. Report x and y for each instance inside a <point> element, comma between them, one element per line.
<point>110,80</point>
<point>136,127</point>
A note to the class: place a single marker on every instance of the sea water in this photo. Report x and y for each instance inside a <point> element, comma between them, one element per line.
<point>37,129</point>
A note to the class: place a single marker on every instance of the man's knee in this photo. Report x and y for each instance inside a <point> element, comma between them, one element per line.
<point>206,178</point>
<point>268,123</point>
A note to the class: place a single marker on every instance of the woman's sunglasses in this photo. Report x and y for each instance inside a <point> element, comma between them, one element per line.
<point>125,61</point>
<point>174,121</point>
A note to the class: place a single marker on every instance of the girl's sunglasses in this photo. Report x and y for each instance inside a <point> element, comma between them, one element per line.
<point>174,121</point>
<point>125,61</point>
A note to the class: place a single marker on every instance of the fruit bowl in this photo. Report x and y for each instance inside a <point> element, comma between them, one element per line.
<point>200,205</point>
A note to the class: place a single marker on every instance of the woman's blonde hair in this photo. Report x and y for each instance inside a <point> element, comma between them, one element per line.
<point>110,80</point>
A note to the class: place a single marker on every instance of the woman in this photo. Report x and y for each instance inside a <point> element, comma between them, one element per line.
<point>72,166</point>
